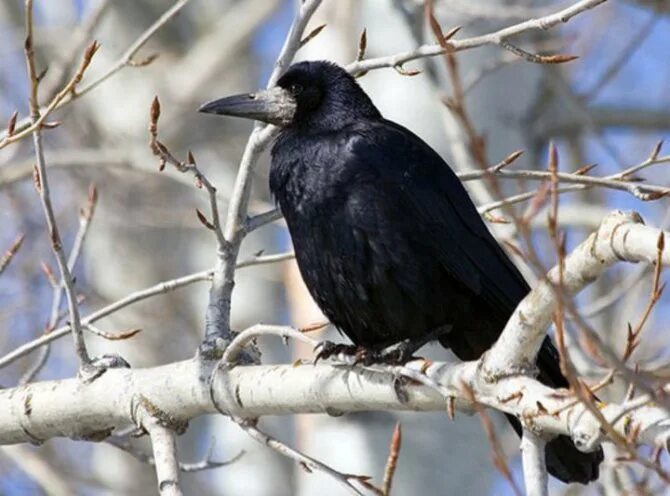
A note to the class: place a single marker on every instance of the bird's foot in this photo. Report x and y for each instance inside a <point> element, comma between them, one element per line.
<point>327,349</point>
<point>397,354</point>
<point>99,365</point>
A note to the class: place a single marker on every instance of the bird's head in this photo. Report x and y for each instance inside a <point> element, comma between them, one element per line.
<point>313,94</point>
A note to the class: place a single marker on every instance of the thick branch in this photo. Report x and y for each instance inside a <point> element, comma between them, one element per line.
<point>621,236</point>
<point>40,411</point>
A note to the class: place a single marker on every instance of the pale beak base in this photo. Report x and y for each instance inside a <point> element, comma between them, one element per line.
<point>274,106</point>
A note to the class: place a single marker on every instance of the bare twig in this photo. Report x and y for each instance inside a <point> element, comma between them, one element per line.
<point>497,453</point>
<point>85,217</point>
<point>134,297</point>
<point>633,339</point>
<point>124,61</point>
<point>58,70</point>
<point>11,251</point>
<point>265,259</point>
<point>123,443</point>
<point>42,184</point>
<point>38,116</point>
<point>495,38</point>
<point>345,480</point>
<point>392,460</point>
<point>189,165</point>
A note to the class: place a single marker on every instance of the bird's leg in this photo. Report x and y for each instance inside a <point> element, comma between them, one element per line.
<point>402,351</point>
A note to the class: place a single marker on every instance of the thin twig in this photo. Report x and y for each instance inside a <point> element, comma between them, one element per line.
<point>392,460</point>
<point>42,186</point>
<point>345,480</point>
<point>123,443</point>
<point>541,24</point>
<point>11,251</point>
<point>134,297</point>
<point>38,116</point>
<point>188,165</point>
<point>497,453</point>
<point>85,217</point>
<point>124,61</point>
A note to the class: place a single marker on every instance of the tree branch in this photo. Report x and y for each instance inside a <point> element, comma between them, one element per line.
<point>534,467</point>
<point>495,38</point>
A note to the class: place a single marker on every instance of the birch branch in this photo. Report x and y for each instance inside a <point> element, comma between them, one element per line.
<point>38,411</point>
<point>534,467</point>
<point>67,408</point>
<point>164,447</point>
<point>621,236</point>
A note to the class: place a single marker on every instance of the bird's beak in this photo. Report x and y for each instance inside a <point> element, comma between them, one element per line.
<point>275,106</point>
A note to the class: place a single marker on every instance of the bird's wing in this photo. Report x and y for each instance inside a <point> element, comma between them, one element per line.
<point>432,209</point>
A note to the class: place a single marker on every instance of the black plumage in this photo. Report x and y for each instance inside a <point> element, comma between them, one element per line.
<point>386,237</point>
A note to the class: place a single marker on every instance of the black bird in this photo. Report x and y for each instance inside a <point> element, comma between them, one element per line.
<point>386,237</point>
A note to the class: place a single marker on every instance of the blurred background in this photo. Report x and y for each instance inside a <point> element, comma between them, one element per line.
<point>610,107</point>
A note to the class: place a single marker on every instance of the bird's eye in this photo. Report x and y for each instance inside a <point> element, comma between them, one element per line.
<point>295,89</point>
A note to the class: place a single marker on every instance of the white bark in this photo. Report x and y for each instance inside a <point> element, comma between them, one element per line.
<point>42,410</point>
<point>165,451</point>
<point>534,467</point>
<point>621,236</point>
<point>184,390</point>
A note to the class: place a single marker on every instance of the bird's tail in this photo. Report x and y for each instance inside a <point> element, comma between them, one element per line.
<point>564,460</point>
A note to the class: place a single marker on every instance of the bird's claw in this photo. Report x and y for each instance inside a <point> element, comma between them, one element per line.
<point>99,365</point>
<point>326,349</point>
<point>397,354</point>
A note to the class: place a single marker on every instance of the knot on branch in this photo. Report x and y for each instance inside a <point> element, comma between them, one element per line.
<point>584,428</point>
<point>610,239</point>
<point>144,407</point>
